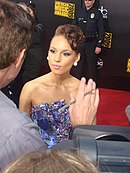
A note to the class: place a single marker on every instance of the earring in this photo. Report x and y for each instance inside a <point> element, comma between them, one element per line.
<point>75,64</point>
<point>47,58</point>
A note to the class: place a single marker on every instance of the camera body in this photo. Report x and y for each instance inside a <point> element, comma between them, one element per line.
<point>108,147</point>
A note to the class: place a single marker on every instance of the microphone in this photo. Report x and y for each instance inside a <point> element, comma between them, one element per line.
<point>127,111</point>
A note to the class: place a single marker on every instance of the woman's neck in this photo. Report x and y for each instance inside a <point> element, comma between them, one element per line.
<point>59,80</point>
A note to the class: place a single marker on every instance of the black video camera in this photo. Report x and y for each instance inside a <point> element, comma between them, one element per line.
<point>108,147</point>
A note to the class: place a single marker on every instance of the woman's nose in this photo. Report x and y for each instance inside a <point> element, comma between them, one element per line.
<point>57,57</point>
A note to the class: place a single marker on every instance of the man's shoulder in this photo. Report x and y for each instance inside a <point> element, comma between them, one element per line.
<point>11,118</point>
<point>96,10</point>
<point>18,134</point>
<point>6,102</point>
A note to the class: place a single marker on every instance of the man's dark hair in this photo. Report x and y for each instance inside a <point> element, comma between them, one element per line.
<point>16,27</point>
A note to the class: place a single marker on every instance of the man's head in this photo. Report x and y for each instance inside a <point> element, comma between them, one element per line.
<point>16,27</point>
<point>53,161</point>
<point>89,3</point>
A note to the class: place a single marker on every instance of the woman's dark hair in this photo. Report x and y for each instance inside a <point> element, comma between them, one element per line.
<point>73,34</point>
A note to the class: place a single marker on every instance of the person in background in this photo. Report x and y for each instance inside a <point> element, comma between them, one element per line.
<point>55,161</point>
<point>32,65</point>
<point>34,58</point>
<point>43,97</point>
<point>90,20</point>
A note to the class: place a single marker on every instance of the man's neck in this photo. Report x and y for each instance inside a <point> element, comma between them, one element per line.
<point>3,81</point>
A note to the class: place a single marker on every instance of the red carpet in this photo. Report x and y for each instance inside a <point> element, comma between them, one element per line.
<point>112,107</point>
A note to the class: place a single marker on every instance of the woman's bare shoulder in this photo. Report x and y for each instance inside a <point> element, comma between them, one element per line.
<point>75,80</point>
<point>31,85</point>
<point>76,83</point>
<point>36,84</point>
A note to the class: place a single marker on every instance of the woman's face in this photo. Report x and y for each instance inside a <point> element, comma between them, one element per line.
<point>60,56</point>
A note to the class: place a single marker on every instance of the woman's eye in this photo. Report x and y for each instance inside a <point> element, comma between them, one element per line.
<point>52,51</point>
<point>66,53</point>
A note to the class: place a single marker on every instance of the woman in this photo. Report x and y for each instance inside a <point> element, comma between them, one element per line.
<point>43,97</point>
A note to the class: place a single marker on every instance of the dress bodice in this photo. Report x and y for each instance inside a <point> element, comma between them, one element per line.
<point>53,126</point>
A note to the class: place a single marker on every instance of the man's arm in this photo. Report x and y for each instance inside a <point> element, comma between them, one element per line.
<point>83,112</point>
<point>100,30</point>
<point>19,141</point>
<point>100,25</point>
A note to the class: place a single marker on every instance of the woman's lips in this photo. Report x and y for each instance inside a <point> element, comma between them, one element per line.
<point>56,66</point>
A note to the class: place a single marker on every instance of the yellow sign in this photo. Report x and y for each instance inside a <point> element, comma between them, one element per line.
<point>128,66</point>
<point>64,9</point>
<point>107,40</point>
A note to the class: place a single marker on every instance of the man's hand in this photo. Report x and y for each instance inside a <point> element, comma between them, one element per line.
<point>83,112</point>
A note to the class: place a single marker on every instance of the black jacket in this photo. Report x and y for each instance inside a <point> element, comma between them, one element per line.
<point>91,23</point>
<point>31,68</point>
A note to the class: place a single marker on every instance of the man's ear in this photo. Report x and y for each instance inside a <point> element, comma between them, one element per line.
<point>20,58</point>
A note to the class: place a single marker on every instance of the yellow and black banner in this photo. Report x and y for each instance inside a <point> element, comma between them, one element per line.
<point>64,9</point>
<point>107,40</point>
<point>128,66</point>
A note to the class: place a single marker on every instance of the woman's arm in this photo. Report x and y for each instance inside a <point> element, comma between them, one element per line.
<point>25,99</point>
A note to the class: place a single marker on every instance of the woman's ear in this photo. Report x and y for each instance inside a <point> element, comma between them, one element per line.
<point>78,57</point>
<point>20,58</point>
<point>77,60</point>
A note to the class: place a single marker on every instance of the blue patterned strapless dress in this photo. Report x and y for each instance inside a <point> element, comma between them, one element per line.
<point>53,126</point>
